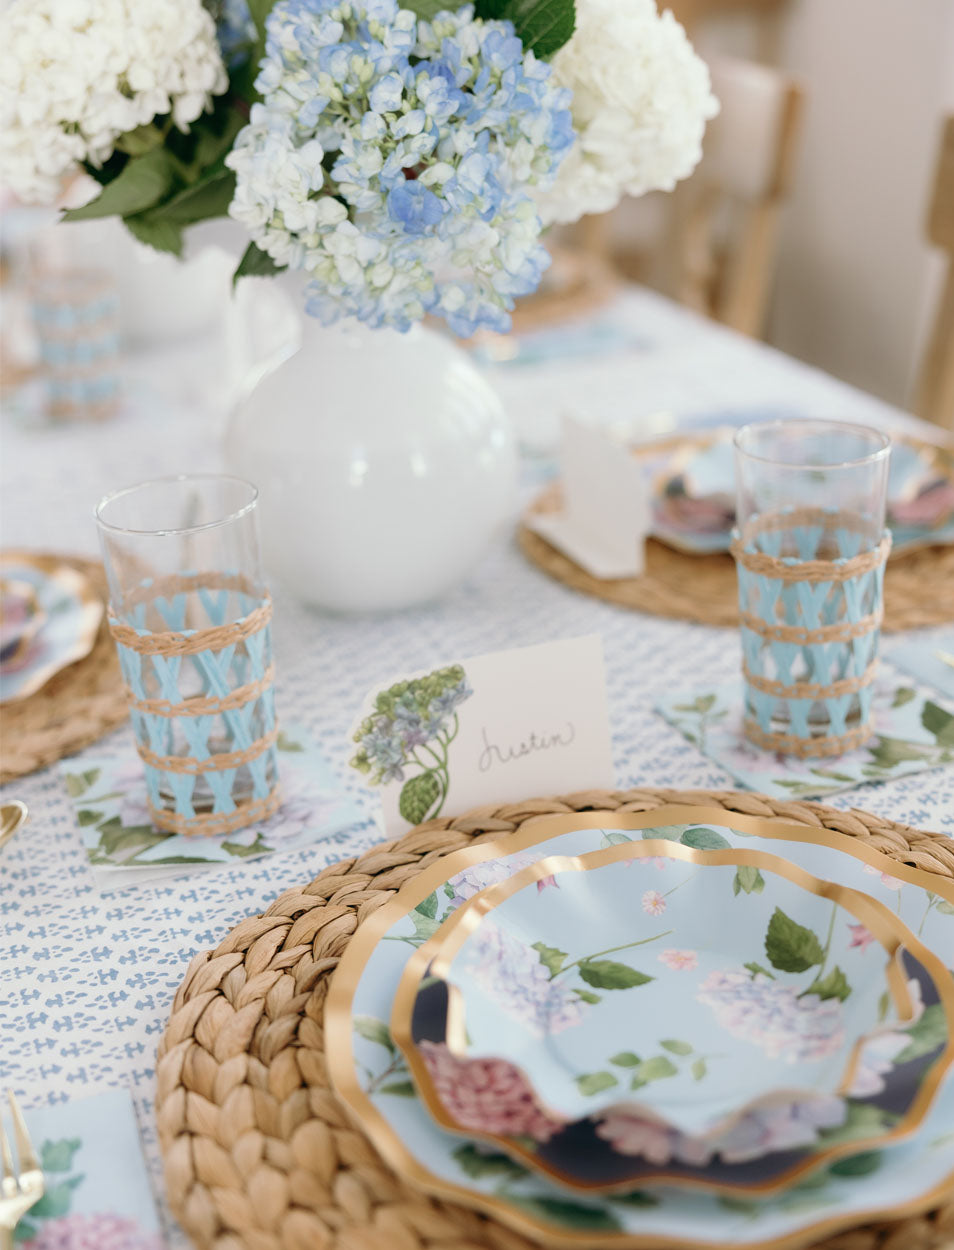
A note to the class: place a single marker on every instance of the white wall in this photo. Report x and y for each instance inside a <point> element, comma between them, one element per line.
<point>856,280</point>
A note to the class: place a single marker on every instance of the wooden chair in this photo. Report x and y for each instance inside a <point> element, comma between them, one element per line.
<point>935,390</point>
<point>726,217</point>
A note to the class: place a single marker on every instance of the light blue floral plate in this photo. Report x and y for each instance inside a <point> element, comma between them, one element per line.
<point>693,480</point>
<point>617,1126</point>
<point>49,617</point>
<point>717,1008</point>
<point>370,1075</point>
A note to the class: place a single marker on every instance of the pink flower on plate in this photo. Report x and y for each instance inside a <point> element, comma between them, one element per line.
<point>654,904</point>
<point>679,961</point>
<point>98,1231</point>
<point>546,883</point>
<point>629,1134</point>
<point>889,882</point>
<point>860,936</point>
<point>487,1095</point>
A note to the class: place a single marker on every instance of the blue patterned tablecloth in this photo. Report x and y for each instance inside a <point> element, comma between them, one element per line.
<point>86,979</point>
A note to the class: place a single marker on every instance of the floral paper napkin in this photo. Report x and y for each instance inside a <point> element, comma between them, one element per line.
<point>914,731</point>
<point>97,1193</point>
<point>109,798</point>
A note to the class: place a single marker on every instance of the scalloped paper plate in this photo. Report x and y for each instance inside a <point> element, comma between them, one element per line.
<point>369,1074</point>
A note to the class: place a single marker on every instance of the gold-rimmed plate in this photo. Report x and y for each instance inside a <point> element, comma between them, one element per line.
<point>498,1022</point>
<point>370,1077</point>
<point>51,616</point>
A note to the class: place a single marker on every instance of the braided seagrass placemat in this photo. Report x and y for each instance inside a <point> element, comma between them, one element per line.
<point>918,585</point>
<point>76,706</point>
<point>259,1154</point>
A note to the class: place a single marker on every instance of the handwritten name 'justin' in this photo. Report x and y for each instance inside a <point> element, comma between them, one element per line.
<point>493,754</point>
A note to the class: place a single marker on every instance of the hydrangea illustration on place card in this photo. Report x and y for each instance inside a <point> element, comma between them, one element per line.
<point>411,728</point>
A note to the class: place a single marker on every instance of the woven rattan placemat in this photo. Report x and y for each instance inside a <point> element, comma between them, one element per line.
<point>260,1155</point>
<point>918,586</point>
<point>76,706</point>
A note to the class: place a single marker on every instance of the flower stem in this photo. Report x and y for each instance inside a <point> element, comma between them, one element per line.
<point>611,950</point>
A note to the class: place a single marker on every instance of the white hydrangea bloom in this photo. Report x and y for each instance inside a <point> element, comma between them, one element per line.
<point>77,74</point>
<point>641,99</point>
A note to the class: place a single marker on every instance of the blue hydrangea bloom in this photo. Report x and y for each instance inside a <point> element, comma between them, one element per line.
<point>393,160</point>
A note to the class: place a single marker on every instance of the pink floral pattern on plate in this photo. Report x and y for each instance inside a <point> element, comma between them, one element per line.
<point>784,1022</point>
<point>98,1231</point>
<point>487,1095</point>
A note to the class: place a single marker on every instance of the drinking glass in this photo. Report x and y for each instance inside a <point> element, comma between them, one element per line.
<point>810,548</point>
<point>190,615</point>
<point>76,317</point>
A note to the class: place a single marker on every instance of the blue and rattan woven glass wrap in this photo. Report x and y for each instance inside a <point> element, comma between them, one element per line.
<point>202,702</point>
<point>76,317</point>
<point>811,623</point>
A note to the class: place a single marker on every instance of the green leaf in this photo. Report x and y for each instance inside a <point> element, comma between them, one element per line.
<point>704,839</point>
<point>858,1165</point>
<point>887,753</point>
<point>401,1089</point>
<point>671,833</point>
<point>756,968</point>
<point>289,744</point>
<point>139,141</point>
<point>142,183</point>
<point>476,1164</point>
<point>125,842</point>
<point>748,879</point>
<point>419,796</point>
<point>155,232</point>
<point>834,985</point>
<point>595,1082</point>
<point>56,1201</point>
<point>927,1034</point>
<point>635,1199</point>
<point>698,1069</point>
<point>566,1214</point>
<point>428,907</point>
<point>862,1122</point>
<point>57,1156</point>
<point>86,817</point>
<point>259,11</point>
<point>374,1030</point>
<point>79,783</point>
<point>543,25</point>
<point>424,926</point>
<point>585,996</point>
<point>428,9</point>
<point>790,946</point>
<point>939,723</point>
<point>210,197</point>
<point>242,850</point>
<point>945,908</point>
<point>676,1047</point>
<point>607,974</point>
<point>655,1069</point>
<point>626,1059</point>
<point>551,958</point>
<point>612,837</point>
<point>255,264</point>
<point>904,694</point>
<point>24,1231</point>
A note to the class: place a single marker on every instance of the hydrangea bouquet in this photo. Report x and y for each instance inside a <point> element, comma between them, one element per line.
<point>404,160</point>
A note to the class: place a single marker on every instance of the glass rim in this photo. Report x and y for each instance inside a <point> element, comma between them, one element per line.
<point>235,515</point>
<point>853,427</point>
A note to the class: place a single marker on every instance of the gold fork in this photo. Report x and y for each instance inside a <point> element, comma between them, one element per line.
<point>17,1192</point>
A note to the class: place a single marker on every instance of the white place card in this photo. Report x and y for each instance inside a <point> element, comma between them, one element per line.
<point>606,512</point>
<point>495,728</point>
